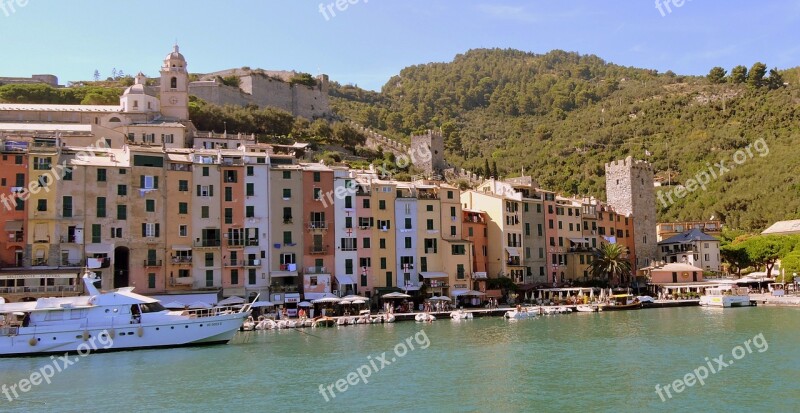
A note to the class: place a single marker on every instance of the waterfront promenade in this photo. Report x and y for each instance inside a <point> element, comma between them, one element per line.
<point>784,301</point>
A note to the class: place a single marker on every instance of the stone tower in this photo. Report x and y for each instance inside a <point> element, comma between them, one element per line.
<point>175,86</point>
<point>427,153</point>
<point>630,191</point>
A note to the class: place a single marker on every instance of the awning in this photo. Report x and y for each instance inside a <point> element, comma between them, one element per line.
<point>345,279</point>
<point>411,288</point>
<point>512,251</point>
<point>479,275</point>
<point>277,274</point>
<point>13,226</point>
<point>181,248</point>
<point>580,240</point>
<point>315,296</point>
<point>434,274</point>
<point>99,248</point>
<point>178,157</point>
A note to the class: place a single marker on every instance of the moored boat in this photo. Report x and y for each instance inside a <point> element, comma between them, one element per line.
<point>726,297</point>
<point>586,308</point>
<point>110,321</point>
<point>621,302</point>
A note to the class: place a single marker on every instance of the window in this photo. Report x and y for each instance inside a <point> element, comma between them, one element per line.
<point>287,174</point>
<point>287,193</point>
<point>453,230</point>
<point>40,164</point>
<point>287,237</point>
<point>348,244</point>
<point>209,278</point>
<point>234,277</point>
<point>148,182</point>
<point>183,230</point>
<point>469,232</point>
<point>209,261</point>
<point>317,177</point>
<point>429,208</point>
<point>20,205</point>
<point>365,243</point>
<point>527,228</point>
<point>348,202</point>
<point>383,263</point>
<point>382,243</point>
<point>68,173</point>
<point>458,250</point>
<point>150,230</point>
<point>317,194</point>
<point>205,171</point>
<point>348,222</point>
<point>205,190</point>
<point>250,211</point>
<point>101,207</point>
<point>96,238</point>
<point>431,246</point>
<point>229,216</point>
<point>382,205</point>
<point>116,232</point>
<point>41,205</point>
<point>67,207</point>
<point>348,266</point>
<point>122,190</point>
<point>429,224</point>
<point>287,215</point>
<point>460,271</point>
<point>44,181</point>
<point>183,208</point>
<point>449,194</point>
<point>251,189</point>
<point>365,262</point>
<point>122,212</point>
<point>228,194</point>
<point>151,280</point>
<point>365,203</point>
<point>101,175</point>
<point>204,212</point>
<point>408,242</point>
<point>150,205</point>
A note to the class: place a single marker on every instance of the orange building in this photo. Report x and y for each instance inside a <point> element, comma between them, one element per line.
<point>318,225</point>
<point>13,177</point>
<point>232,205</point>
<point>474,230</point>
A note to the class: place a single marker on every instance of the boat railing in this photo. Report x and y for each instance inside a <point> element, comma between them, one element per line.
<point>210,312</point>
<point>9,331</point>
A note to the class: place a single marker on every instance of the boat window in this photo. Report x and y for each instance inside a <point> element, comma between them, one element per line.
<point>152,308</point>
<point>54,316</point>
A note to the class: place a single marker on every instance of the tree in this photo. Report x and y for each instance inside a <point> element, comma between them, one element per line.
<point>96,75</point>
<point>736,256</point>
<point>775,80</point>
<point>487,173</point>
<point>716,75</point>
<point>756,76</point>
<point>611,263</point>
<point>495,175</point>
<point>791,266</point>
<point>738,75</point>
<point>766,250</point>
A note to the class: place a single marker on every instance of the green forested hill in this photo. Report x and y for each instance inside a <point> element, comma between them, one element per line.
<point>561,116</point>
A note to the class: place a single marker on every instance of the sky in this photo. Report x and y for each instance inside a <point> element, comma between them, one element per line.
<point>365,42</point>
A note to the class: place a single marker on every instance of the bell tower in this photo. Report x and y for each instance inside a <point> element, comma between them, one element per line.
<point>175,86</point>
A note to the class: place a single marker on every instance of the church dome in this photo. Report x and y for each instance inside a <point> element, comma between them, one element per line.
<point>175,59</point>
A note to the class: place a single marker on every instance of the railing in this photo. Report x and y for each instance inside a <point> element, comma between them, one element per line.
<point>182,260</point>
<point>71,263</point>
<point>284,289</point>
<point>233,263</point>
<point>41,289</point>
<point>9,331</point>
<point>39,262</point>
<point>252,242</point>
<point>184,281</point>
<point>317,250</point>
<point>235,242</point>
<point>317,225</point>
<point>514,262</point>
<point>252,263</point>
<point>207,243</point>
<point>153,263</point>
<point>317,270</point>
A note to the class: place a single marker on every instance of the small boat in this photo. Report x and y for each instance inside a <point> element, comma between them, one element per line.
<point>550,310</point>
<point>622,302</point>
<point>389,318</point>
<point>587,308</point>
<point>520,313</point>
<point>424,318</point>
<point>324,321</point>
<point>461,315</point>
<point>266,324</point>
<point>249,324</point>
<point>341,321</point>
<point>726,297</point>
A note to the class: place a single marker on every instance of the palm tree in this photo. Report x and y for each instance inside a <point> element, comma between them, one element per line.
<point>611,262</point>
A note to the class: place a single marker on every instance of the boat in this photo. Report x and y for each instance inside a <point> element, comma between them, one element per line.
<point>726,297</point>
<point>586,308</point>
<point>460,315</point>
<point>249,324</point>
<point>110,321</point>
<point>324,321</point>
<point>520,313</point>
<point>424,318</point>
<point>621,302</point>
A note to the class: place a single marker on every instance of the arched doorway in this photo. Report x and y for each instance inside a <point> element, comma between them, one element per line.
<point>121,267</point>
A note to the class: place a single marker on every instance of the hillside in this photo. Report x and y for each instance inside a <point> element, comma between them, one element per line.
<point>561,116</point>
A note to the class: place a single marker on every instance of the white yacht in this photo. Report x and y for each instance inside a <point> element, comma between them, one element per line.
<point>110,321</point>
<point>726,296</point>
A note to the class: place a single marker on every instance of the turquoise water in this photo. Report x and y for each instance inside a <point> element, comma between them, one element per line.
<point>577,362</point>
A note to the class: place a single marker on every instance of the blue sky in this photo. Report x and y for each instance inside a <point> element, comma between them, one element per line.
<point>374,39</point>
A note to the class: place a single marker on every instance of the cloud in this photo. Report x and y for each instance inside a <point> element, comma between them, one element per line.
<point>504,12</point>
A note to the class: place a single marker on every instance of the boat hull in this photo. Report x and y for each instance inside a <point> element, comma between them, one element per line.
<point>621,307</point>
<point>725,301</point>
<point>107,338</point>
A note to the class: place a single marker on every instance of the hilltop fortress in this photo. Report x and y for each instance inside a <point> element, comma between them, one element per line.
<point>265,88</point>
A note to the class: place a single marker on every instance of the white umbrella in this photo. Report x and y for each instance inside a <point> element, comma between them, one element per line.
<point>304,304</point>
<point>359,302</point>
<point>175,305</point>
<point>396,295</point>
<point>200,304</point>
<point>354,297</point>
<point>345,302</point>
<point>440,298</point>
<point>258,304</point>
<point>325,300</point>
<point>232,300</point>
<point>475,293</point>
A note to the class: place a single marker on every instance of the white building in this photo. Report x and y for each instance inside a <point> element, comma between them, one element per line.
<point>692,247</point>
<point>346,220</point>
<point>406,237</point>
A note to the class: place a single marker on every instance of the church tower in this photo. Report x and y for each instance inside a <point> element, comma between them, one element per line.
<point>175,86</point>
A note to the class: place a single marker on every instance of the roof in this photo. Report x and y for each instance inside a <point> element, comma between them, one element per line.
<point>59,108</point>
<point>45,127</point>
<point>688,236</point>
<point>677,267</point>
<point>784,227</point>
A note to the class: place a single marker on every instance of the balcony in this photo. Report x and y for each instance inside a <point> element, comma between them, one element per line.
<point>235,243</point>
<point>284,288</point>
<point>513,261</point>
<point>581,249</point>
<point>72,263</point>
<point>233,263</point>
<point>153,263</point>
<point>182,281</point>
<point>288,220</point>
<point>182,260</point>
<point>252,263</point>
<point>251,242</point>
<point>69,240</point>
<point>39,262</point>
<point>207,243</point>
<point>317,250</point>
<point>316,270</point>
<point>317,225</point>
